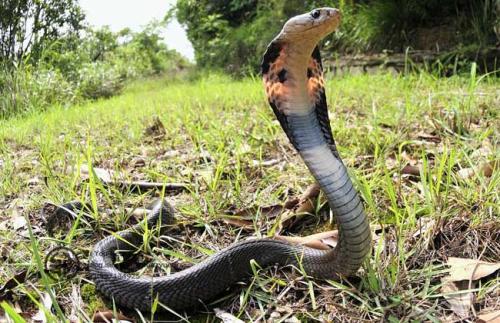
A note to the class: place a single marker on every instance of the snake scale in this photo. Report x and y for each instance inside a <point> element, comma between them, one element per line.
<point>293,78</point>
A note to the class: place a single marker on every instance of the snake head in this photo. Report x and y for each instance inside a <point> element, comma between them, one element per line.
<point>311,26</point>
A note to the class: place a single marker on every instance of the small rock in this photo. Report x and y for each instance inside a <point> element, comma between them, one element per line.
<point>275,315</point>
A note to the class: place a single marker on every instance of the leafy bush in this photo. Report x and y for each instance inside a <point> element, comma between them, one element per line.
<point>95,64</point>
<point>24,90</point>
<point>28,26</point>
<point>98,80</point>
<point>232,34</point>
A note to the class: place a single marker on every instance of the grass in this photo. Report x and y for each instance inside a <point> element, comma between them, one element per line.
<point>218,136</point>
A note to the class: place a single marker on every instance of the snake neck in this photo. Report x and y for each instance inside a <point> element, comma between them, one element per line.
<point>294,85</point>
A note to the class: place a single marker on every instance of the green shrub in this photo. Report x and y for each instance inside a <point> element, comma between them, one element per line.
<point>231,35</point>
<point>23,90</point>
<point>95,64</point>
<point>99,80</point>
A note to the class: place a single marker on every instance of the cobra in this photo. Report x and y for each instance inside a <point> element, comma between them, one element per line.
<point>292,75</point>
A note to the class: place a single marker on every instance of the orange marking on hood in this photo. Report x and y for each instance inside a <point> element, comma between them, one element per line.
<point>315,83</point>
<point>275,90</point>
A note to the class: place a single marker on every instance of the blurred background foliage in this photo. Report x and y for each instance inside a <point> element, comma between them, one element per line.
<point>49,55</point>
<point>232,34</point>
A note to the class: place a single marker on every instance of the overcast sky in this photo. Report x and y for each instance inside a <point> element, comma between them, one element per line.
<point>119,14</point>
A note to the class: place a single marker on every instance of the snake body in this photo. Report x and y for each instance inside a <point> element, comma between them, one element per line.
<point>292,75</point>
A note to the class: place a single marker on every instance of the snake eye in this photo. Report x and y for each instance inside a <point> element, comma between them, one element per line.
<point>315,14</point>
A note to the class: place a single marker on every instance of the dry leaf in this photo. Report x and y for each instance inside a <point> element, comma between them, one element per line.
<point>18,222</point>
<point>105,175</point>
<point>391,163</point>
<point>470,269</point>
<point>76,302</point>
<point>109,316</point>
<point>322,241</point>
<point>244,148</point>
<point>489,168</point>
<point>138,213</point>
<point>486,169</point>
<point>226,317</point>
<point>458,296</point>
<point>305,204</point>
<point>489,317</point>
<point>292,209</point>
<point>46,306</point>
<point>485,150</point>
<point>411,170</point>
<point>465,173</point>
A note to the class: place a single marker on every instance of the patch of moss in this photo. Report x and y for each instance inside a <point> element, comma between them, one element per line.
<point>90,298</point>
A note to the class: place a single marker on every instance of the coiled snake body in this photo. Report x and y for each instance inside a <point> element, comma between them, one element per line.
<point>292,74</point>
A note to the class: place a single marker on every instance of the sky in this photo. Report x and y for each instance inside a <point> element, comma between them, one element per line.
<point>119,14</point>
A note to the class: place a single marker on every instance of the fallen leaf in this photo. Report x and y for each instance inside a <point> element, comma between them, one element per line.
<point>489,317</point>
<point>290,211</point>
<point>391,163</point>
<point>322,241</point>
<point>489,168</point>
<point>458,296</point>
<point>304,205</point>
<point>138,213</point>
<point>485,150</point>
<point>470,269</point>
<point>46,306</point>
<point>466,173</point>
<point>411,170</point>
<point>244,148</point>
<point>18,222</point>
<point>485,169</point>
<point>109,316</point>
<point>292,319</point>
<point>169,154</point>
<point>226,317</point>
<point>76,302</point>
<point>105,175</point>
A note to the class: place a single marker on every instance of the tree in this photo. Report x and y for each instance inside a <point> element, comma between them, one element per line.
<point>28,26</point>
